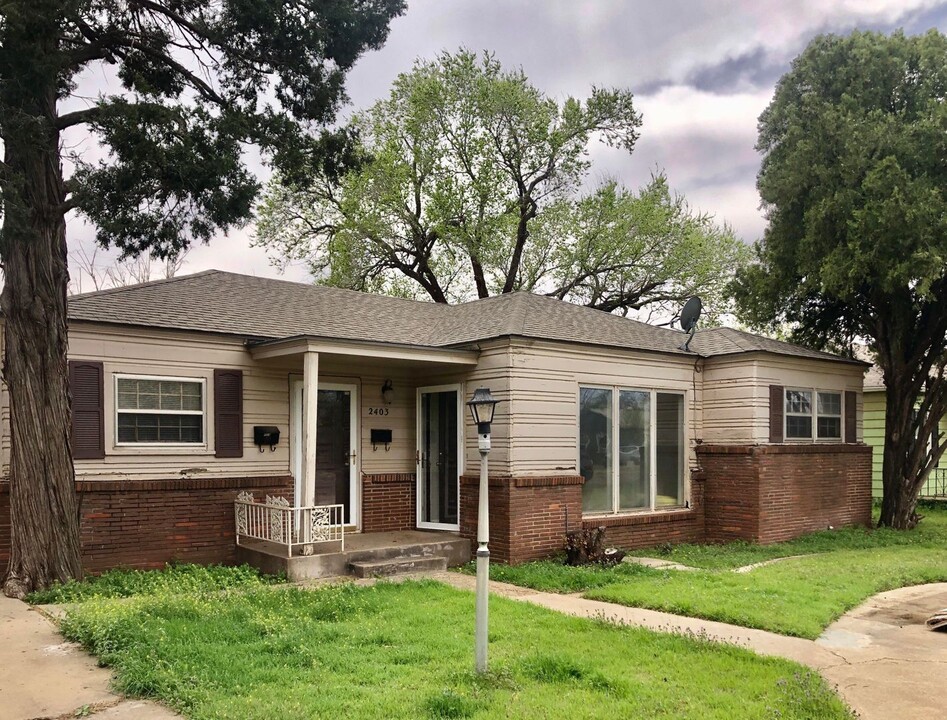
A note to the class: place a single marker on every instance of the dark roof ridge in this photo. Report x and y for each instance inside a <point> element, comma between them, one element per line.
<point>147,283</point>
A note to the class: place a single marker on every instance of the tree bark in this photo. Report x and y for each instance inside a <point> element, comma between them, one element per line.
<point>901,475</point>
<point>43,505</point>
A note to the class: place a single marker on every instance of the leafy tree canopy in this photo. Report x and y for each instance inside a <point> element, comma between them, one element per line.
<point>467,183</point>
<point>201,80</point>
<point>853,181</point>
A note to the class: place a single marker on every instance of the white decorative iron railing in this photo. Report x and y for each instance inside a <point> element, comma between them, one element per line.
<point>275,521</point>
<point>936,485</point>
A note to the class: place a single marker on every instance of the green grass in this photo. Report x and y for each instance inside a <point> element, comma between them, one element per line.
<point>798,596</point>
<point>405,651</point>
<point>183,578</point>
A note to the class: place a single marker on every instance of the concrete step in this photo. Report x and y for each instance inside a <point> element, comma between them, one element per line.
<point>397,566</point>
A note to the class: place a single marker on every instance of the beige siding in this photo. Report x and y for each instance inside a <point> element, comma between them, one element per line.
<point>545,380</point>
<point>184,355</point>
<point>733,406</point>
<point>874,426</point>
<point>493,371</point>
<point>802,373</point>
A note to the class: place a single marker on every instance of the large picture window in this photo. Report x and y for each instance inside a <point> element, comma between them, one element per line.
<point>808,410</point>
<point>159,410</point>
<point>631,449</point>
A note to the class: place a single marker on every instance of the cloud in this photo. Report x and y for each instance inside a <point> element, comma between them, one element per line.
<point>702,73</point>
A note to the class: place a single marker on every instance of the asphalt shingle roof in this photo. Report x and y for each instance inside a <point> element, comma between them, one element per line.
<point>264,308</point>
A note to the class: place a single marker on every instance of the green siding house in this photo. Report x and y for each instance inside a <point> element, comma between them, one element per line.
<point>874,418</point>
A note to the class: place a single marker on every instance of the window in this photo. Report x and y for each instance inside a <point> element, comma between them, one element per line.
<point>159,410</point>
<point>802,414</point>
<point>631,449</point>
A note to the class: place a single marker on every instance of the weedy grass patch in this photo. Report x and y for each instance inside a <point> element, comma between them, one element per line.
<point>178,578</point>
<point>406,651</point>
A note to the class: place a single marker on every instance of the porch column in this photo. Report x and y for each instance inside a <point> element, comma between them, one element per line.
<point>310,420</point>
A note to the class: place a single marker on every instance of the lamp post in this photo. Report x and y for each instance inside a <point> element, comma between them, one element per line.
<point>482,406</point>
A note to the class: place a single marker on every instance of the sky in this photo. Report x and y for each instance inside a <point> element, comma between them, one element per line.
<point>701,71</point>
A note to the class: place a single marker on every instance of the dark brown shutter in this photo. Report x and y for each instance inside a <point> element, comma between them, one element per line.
<point>228,413</point>
<point>777,398</point>
<point>851,398</point>
<point>87,386</point>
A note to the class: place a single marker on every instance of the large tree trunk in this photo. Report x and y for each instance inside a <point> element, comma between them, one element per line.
<point>44,522</point>
<point>903,454</point>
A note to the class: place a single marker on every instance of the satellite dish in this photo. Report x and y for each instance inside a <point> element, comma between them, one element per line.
<point>689,317</point>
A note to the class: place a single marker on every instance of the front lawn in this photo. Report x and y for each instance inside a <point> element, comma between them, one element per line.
<point>405,651</point>
<point>798,596</point>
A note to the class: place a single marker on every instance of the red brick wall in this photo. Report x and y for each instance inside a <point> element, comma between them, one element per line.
<point>647,529</point>
<point>145,524</point>
<point>770,493</point>
<point>812,487</point>
<point>528,515</point>
<point>388,502</point>
<point>731,492</point>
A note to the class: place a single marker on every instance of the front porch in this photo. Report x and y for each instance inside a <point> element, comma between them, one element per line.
<point>364,555</point>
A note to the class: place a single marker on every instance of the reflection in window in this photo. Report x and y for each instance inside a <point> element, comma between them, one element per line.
<point>669,456</point>
<point>634,450</point>
<point>647,463</point>
<point>595,448</point>
<point>159,411</point>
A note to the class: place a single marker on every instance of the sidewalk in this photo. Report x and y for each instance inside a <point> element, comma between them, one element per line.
<point>45,677</point>
<point>883,661</point>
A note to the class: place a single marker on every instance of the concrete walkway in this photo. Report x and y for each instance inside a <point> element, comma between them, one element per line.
<point>882,659</point>
<point>41,676</point>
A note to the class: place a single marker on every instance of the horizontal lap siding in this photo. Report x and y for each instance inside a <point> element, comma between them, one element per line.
<point>545,378</point>
<point>802,373</point>
<point>874,425</point>
<point>151,352</point>
<point>735,411</point>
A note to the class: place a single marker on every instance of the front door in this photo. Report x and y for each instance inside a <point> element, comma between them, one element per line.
<point>336,440</point>
<point>439,457</point>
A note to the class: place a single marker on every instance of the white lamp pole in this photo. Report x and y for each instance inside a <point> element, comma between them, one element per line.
<point>482,406</point>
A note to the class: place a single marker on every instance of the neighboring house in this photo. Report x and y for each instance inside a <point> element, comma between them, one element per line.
<point>936,485</point>
<point>604,421</point>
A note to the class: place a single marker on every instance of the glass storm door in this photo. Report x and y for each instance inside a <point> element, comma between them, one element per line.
<point>335,447</point>
<point>438,457</point>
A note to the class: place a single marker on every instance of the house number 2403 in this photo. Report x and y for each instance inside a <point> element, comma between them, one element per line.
<point>378,411</point>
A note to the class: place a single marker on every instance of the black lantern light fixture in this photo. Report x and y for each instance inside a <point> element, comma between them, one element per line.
<point>482,406</point>
<point>387,392</point>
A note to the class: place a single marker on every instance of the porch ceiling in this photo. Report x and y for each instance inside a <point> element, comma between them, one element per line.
<point>284,347</point>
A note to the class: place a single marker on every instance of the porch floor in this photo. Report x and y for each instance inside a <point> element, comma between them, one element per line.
<point>359,548</point>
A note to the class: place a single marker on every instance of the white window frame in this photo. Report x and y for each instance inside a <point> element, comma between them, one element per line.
<point>161,378</point>
<point>814,415</point>
<point>616,390</point>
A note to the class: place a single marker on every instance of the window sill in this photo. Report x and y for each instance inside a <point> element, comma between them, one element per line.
<point>137,450</point>
<point>639,517</point>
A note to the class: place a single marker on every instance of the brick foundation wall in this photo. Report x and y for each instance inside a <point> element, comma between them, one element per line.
<point>145,524</point>
<point>771,493</point>
<point>648,529</point>
<point>528,515</point>
<point>731,492</point>
<point>388,502</point>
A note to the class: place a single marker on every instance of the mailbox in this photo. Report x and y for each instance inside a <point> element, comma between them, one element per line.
<point>381,437</point>
<point>265,435</point>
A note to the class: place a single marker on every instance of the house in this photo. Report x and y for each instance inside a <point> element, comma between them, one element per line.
<point>936,485</point>
<point>346,410</point>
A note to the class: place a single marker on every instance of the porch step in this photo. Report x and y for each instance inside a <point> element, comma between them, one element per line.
<point>397,566</point>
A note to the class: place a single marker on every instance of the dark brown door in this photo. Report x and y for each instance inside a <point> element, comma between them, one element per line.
<point>334,450</point>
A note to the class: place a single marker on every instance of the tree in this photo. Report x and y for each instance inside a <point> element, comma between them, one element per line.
<point>853,182</point>
<point>85,265</point>
<point>465,183</point>
<point>202,80</point>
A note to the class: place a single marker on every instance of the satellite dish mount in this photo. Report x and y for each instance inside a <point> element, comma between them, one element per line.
<point>689,317</point>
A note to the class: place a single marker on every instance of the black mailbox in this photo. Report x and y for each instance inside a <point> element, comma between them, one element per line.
<point>381,437</point>
<point>265,435</point>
